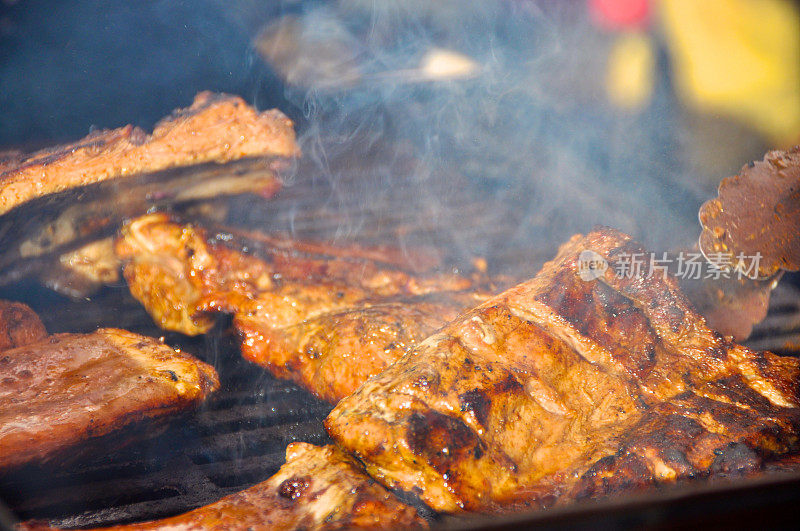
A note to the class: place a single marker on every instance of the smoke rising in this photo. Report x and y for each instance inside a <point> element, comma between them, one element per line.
<point>527,132</point>
<point>484,123</point>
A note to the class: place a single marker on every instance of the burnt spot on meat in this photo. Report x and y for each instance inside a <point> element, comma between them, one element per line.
<point>735,389</point>
<point>172,375</point>
<point>441,439</point>
<point>601,313</point>
<point>675,429</point>
<point>294,487</point>
<point>477,402</point>
<point>717,352</point>
<point>650,351</point>
<point>735,459</point>
<point>510,384</point>
<point>675,317</point>
<point>611,302</point>
<point>678,459</point>
<point>614,473</point>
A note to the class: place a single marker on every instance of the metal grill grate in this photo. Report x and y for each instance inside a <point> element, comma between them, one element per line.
<point>239,436</point>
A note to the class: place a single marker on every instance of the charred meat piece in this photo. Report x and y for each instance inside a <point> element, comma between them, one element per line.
<point>59,392</point>
<point>560,388</point>
<point>217,127</point>
<point>326,318</point>
<point>19,325</point>
<point>318,488</point>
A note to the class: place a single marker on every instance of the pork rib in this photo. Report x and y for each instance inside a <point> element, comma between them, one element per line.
<point>560,388</point>
<point>216,128</point>
<point>326,317</point>
<point>60,392</point>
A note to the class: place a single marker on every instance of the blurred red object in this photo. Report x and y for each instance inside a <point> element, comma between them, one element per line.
<point>620,14</point>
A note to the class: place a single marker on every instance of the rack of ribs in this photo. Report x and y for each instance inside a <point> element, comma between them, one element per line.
<point>326,317</point>
<point>60,205</point>
<point>317,488</point>
<point>562,388</point>
<point>59,394</point>
<point>215,128</point>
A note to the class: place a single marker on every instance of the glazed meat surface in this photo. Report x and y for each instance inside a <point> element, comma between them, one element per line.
<point>561,388</point>
<point>19,325</point>
<point>318,488</point>
<point>216,128</point>
<point>63,390</point>
<point>334,353</point>
<point>326,317</point>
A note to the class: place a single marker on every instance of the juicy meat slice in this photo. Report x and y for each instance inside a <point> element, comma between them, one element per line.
<point>318,488</point>
<point>322,316</point>
<point>334,353</point>
<point>178,272</point>
<point>19,325</point>
<point>216,128</point>
<point>561,388</point>
<point>60,391</point>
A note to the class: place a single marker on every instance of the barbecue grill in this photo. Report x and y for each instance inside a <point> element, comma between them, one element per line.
<point>239,436</point>
<point>371,194</point>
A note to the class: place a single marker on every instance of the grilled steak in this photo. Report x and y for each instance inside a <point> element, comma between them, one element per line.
<point>326,318</point>
<point>317,488</point>
<point>217,128</point>
<point>560,388</point>
<point>58,392</point>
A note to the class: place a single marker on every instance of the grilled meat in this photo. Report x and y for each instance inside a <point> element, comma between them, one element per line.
<point>58,392</point>
<point>318,488</point>
<point>334,353</point>
<point>217,127</point>
<point>66,200</point>
<point>560,388</point>
<point>19,325</point>
<point>326,318</point>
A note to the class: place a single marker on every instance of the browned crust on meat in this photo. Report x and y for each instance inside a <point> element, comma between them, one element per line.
<point>334,353</point>
<point>215,128</point>
<point>318,488</point>
<point>561,388</point>
<point>63,390</point>
<point>326,317</point>
<point>19,325</point>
